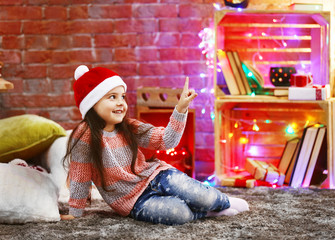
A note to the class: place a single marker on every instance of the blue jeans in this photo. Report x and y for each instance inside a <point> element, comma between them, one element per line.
<point>173,198</point>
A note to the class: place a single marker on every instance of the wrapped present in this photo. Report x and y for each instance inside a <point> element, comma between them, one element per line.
<point>309,93</point>
<point>264,171</point>
<point>243,181</point>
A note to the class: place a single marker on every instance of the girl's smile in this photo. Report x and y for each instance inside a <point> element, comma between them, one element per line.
<point>112,107</point>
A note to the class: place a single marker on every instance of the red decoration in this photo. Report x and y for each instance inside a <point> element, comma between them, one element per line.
<point>179,158</point>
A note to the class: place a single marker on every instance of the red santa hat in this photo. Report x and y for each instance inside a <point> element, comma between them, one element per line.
<point>91,85</point>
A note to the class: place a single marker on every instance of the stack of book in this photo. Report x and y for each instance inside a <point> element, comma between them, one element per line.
<point>304,160</point>
<point>233,73</point>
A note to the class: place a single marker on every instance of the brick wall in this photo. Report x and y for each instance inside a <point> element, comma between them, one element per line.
<point>148,42</point>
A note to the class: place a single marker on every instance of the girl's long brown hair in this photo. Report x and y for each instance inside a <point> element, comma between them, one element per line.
<point>96,124</point>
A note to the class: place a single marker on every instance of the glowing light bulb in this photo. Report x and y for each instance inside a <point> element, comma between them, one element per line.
<point>260,57</point>
<point>203,111</point>
<point>236,125</point>
<point>230,135</point>
<point>306,123</point>
<point>253,151</point>
<point>212,116</point>
<point>216,6</point>
<point>223,141</point>
<point>211,177</point>
<point>255,127</point>
<point>289,129</point>
<point>244,140</point>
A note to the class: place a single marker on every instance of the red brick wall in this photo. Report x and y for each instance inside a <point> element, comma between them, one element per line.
<point>151,43</point>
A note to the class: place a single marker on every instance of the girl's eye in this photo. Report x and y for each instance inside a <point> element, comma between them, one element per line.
<point>112,97</point>
<point>124,97</point>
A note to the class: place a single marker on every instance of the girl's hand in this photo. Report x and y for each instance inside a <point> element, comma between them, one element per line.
<point>67,217</point>
<point>186,98</point>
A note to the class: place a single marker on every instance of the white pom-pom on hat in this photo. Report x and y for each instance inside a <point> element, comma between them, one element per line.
<point>80,71</point>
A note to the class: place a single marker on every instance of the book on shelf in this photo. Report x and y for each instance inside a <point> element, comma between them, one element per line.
<point>305,150</point>
<point>228,73</point>
<point>242,73</point>
<point>280,91</point>
<point>236,72</point>
<point>273,91</point>
<point>289,171</point>
<point>318,161</point>
<point>221,81</point>
<point>291,147</point>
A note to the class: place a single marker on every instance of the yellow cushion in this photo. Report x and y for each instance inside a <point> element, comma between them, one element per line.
<point>26,136</point>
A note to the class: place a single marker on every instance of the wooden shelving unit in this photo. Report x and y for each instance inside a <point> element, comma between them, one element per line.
<point>281,38</point>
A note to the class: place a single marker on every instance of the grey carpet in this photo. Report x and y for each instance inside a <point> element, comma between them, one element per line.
<point>284,213</point>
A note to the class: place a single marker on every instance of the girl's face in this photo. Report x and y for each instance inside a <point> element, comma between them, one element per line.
<point>112,107</point>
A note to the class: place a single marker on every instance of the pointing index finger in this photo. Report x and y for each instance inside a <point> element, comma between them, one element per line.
<point>186,84</point>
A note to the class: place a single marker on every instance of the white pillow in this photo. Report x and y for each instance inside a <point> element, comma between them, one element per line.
<point>27,195</point>
<point>52,159</point>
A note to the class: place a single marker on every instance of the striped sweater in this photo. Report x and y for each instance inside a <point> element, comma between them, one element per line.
<point>116,155</point>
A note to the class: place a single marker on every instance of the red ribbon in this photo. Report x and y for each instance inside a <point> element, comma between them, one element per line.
<point>242,182</point>
<point>318,94</point>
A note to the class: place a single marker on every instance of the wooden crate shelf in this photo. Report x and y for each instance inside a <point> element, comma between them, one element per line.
<point>306,37</point>
<point>236,140</point>
<point>266,39</point>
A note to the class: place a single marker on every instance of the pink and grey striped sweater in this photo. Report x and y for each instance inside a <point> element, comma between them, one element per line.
<point>117,156</point>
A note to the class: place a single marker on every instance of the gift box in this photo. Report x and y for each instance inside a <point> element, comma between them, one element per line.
<point>243,181</point>
<point>309,93</point>
<point>264,171</point>
<point>239,181</point>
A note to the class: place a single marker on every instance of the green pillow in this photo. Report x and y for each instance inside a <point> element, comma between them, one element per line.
<point>26,136</point>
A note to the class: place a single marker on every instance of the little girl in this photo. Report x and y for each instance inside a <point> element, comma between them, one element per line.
<point>104,149</point>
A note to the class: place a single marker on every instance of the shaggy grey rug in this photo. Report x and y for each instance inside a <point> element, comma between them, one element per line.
<point>283,213</point>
